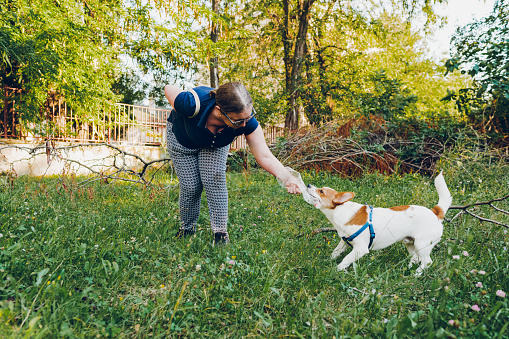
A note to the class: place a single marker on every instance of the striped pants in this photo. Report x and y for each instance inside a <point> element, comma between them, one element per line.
<point>197,169</point>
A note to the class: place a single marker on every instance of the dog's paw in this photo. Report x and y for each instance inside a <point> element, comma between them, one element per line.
<point>418,273</point>
<point>341,267</point>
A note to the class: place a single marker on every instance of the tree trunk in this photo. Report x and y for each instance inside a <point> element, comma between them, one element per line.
<point>287,44</point>
<point>213,62</point>
<point>292,116</point>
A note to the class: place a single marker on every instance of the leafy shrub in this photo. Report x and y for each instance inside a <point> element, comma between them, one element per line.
<point>240,160</point>
<point>388,98</point>
<point>481,49</point>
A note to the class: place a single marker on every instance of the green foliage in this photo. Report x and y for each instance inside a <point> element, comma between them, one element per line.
<point>345,52</point>
<point>73,50</point>
<point>482,52</point>
<point>162,40</point>
<point>60,48</point>
<point>101,261</point>
<point>130,88</point>
<point>388,98</point>
<point>424,143</point>
<point>241,160</point>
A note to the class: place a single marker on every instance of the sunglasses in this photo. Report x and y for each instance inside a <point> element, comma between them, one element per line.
<point>238,122</point>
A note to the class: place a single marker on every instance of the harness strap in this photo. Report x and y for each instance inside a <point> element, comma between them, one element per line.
<point>369,224</point>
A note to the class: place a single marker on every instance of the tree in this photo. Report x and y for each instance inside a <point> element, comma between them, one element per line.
<point>214,35</point>
<point>322,17</point>
<point>294,50</point>
<point>161,38</point>
<point>384,53</point>
<point>293,54</point>
<point>59,48</point>
<point>482,51</point>
<point>387,100</point>
<point>311,56</point>
<point>74,49</point>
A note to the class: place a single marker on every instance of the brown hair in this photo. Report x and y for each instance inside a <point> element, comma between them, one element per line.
<point>232,97</point>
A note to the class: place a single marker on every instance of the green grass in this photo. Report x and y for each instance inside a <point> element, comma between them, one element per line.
<point>102,262</point>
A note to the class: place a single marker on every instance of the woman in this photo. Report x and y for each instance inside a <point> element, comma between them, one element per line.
<point>199,131</point>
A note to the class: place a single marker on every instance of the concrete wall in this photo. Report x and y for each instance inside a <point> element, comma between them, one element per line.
<point>100,158</point>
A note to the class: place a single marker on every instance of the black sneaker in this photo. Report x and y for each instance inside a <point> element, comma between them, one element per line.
<point>221,239</point>
<point>183,233</point>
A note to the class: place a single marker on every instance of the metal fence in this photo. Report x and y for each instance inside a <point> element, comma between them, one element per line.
<point>8,115</point>
<point>121,123</point>
<point>124,124</point>
<point>271,133</point>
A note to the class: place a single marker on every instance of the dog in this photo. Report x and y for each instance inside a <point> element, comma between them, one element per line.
<point>365,228</point>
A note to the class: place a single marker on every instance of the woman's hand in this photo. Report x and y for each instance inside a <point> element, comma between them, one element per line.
<point>292,184</point>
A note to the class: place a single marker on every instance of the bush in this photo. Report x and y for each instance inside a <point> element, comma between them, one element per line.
<point>240,160</point>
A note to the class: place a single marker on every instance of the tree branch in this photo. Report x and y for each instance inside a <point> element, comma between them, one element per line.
<point>489,202</point>
<point>464,209</point>
<point>120,165</point>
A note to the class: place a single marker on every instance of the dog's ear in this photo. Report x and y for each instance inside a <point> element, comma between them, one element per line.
<point>342,197</point>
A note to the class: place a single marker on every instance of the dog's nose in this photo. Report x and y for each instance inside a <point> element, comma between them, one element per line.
<point>309,186</point>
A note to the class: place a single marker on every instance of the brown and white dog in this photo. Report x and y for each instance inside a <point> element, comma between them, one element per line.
<point>418,227</point>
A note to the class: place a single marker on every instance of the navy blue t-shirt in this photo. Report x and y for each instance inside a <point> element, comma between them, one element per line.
<point>191,132</point>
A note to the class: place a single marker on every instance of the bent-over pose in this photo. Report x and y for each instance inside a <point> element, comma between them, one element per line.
<point>202,125</point>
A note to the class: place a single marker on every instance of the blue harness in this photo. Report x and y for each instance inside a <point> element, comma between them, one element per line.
<point>369,224</point>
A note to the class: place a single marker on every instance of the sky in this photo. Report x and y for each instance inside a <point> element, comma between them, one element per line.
<point>459,13</point>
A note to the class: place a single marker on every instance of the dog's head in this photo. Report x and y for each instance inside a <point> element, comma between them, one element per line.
<point>326,197</point>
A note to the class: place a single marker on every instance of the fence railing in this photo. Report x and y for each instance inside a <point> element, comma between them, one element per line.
<point>8,114</point>
<point>124,124</point>
<point>271,134</point>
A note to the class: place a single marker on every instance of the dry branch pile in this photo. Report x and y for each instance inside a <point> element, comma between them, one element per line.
<point>338,147</point>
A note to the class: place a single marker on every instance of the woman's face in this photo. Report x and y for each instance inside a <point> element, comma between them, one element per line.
<point>237,120</point>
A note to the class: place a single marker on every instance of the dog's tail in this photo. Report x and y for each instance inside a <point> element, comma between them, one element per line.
<point>444,197</point>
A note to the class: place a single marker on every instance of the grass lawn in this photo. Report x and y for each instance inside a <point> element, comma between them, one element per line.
<point>101,261</point>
